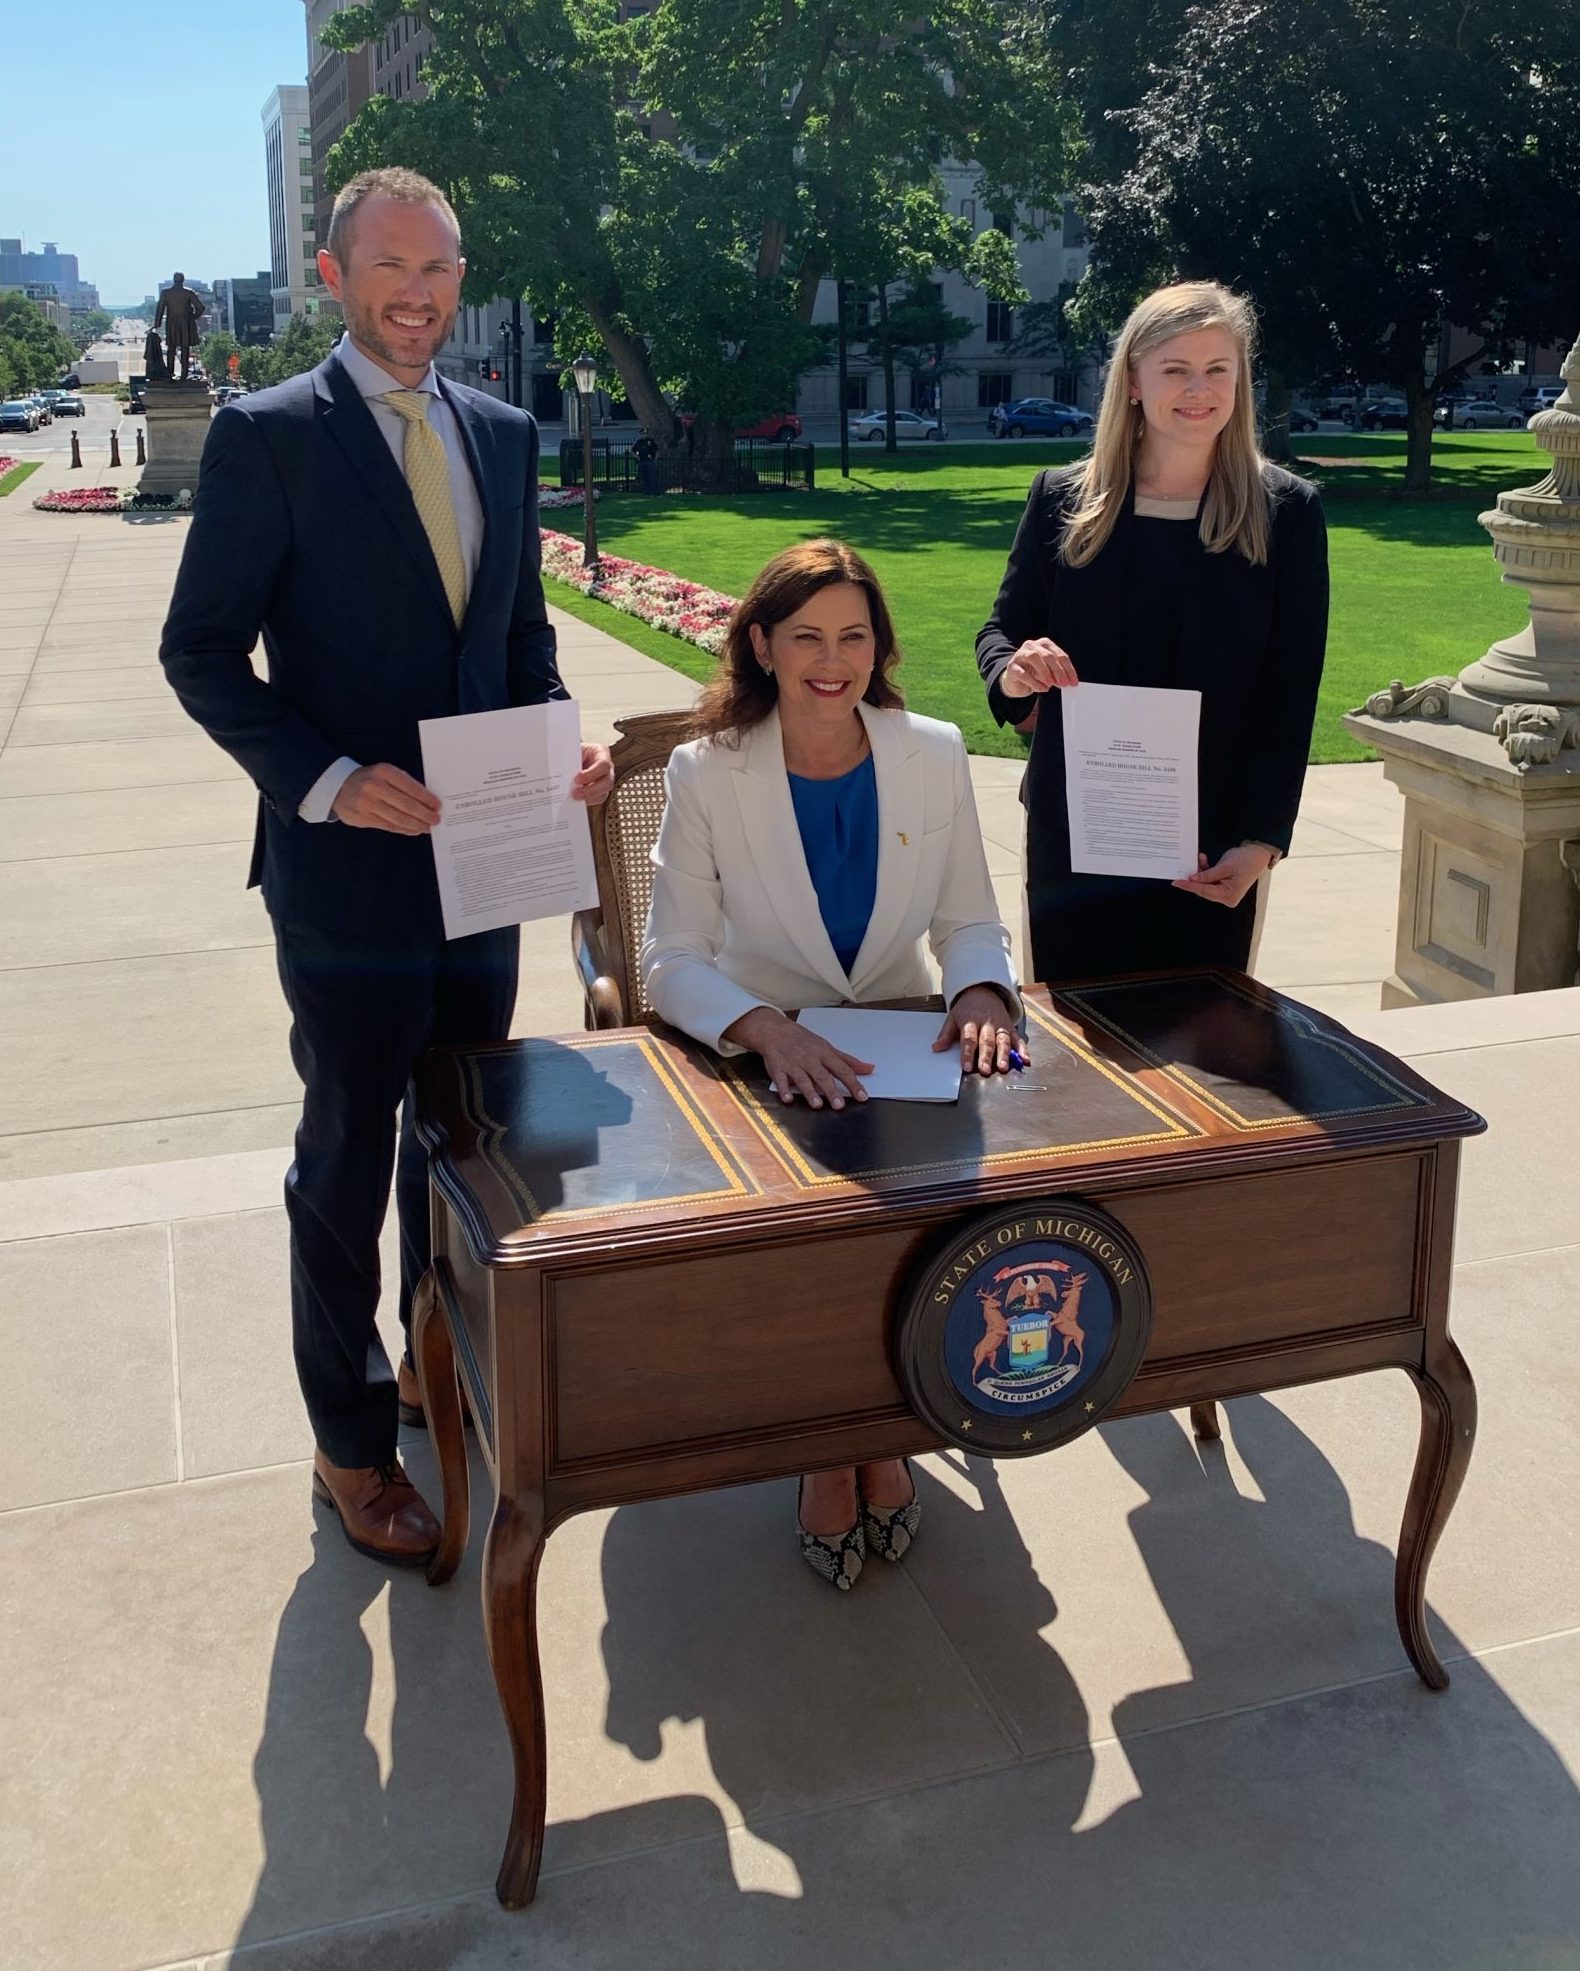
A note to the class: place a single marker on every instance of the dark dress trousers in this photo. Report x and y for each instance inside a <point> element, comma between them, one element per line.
<point>1154,607</point>
<point>304,530</point>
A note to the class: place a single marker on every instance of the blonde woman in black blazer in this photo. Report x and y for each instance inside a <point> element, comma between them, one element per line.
<point>1173,555</point>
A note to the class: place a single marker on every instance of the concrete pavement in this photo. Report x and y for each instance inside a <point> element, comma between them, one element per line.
<point>1143,1704</point>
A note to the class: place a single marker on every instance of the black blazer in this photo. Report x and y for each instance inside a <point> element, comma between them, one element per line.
<point>1252,643</point>
<point>304,529</point>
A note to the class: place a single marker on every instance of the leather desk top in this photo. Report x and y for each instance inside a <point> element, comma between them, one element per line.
<point>587,1140</point>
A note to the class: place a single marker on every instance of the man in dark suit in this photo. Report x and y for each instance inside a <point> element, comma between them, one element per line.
<point>379,526</point>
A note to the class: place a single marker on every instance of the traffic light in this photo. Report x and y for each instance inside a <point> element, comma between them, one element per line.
<point>493,374</point>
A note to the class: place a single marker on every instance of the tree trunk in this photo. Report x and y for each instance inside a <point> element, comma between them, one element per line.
<point>713,453</point>
<point>1275,419</point>
<point>634,367</point>
<point>1420,399</point>
<point>891,441</point>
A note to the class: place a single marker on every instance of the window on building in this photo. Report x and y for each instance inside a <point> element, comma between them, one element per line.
<point>968,212</point>
<point>856,393</point>
<point>860,311</point>
<point>1004,222</point>
<point>1000,321</point>
<point>1074,225</point>
<point>994,387</point>
<point>542,329</point>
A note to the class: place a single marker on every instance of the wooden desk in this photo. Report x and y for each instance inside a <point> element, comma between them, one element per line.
<point>655,1278</point>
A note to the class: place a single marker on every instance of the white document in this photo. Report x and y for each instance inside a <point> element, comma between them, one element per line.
<point>511,844</point>
<point>1130,779</point>
<point>901,1046</point>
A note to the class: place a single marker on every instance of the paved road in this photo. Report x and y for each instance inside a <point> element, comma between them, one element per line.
<point>53,441</point>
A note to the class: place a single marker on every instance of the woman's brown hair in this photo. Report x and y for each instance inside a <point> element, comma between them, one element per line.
<point>742,693</point>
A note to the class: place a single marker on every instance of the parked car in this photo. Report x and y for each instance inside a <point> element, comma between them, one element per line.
<point>18,414</point>
<point>227,393</point>
<point>1540,399</point>
<point>1041,417</point>
<point>1484,414</point>
<point>41,404</point>
<point>69,404</point>
<point>781,427</point>
<point>1385,414</point>
<point>71,381</point>
<point>907,425</point>
<point>1301,420</point>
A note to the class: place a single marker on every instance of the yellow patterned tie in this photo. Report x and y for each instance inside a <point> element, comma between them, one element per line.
<point>428,475</point>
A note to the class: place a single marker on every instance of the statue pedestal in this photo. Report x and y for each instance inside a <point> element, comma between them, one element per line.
<point>1489,874</point>
<point>178,419</point>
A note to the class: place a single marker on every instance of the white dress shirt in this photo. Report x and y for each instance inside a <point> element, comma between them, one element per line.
<point>375,382</point>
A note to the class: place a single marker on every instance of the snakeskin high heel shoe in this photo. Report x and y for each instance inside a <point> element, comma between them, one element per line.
<point>891,1529</point>
<point>838,1558</point>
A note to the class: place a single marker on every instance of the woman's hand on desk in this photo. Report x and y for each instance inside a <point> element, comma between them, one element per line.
<point>979,1022</point>
<point>1038,665</point>
<point>1228,879</point>
<point>798,1061</point>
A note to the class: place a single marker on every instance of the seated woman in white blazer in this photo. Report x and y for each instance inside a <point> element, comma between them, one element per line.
<point>815,834</point>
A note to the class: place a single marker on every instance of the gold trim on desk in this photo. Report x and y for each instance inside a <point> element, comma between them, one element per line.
<point>1294,1016</point>
<point>492,1133</point>
<point>760,1114</point>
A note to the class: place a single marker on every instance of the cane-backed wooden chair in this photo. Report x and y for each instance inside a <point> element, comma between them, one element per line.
<point>607,940</point>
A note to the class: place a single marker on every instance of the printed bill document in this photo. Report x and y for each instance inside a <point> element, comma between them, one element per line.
<point>510,844</point>
<point>1130,779</point>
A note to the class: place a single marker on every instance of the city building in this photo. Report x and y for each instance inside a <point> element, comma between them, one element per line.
<point>45,299</point>
<point>244,307</point>
<point>399,56</point>
<point>50,269</point>
<point>295,288</point>
<point>337,87</point>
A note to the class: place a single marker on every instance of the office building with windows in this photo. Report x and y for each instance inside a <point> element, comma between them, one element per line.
<point>294,285</point>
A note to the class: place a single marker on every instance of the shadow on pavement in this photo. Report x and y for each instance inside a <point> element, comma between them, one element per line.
<point>889,1817</point>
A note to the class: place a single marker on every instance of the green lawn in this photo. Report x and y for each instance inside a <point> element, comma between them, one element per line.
<point>1415,588</point>
<point>9,481</point>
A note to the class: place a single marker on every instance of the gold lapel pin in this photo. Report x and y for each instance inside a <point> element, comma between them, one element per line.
<point>905,840</point>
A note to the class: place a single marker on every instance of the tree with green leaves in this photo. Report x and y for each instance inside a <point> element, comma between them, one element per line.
<point>677,185</point>
<point>914,332</point>
<point>216,353</point>
<point>34,350</point>
<point>301,345</point>
<point>87,325</point>
<point>1370,171</point>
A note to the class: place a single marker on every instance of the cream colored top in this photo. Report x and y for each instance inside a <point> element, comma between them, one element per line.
<point>1148,508</point>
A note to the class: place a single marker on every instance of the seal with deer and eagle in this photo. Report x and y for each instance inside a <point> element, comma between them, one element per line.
<point>1024,1327</point>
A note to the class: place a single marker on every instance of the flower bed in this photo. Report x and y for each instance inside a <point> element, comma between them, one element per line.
<point>684,609</point>
<point>6,465</point>
<point>111,499</point>
<point>550,497</point>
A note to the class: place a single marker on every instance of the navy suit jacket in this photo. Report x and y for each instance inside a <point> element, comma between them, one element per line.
<point>304,530</point>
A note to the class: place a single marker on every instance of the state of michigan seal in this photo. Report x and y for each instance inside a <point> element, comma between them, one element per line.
<point>1024,1326</point>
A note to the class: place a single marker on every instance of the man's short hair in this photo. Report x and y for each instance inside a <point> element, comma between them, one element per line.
<point>389,181</point>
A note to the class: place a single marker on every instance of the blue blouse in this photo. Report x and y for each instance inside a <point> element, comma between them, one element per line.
<point>838,820</point>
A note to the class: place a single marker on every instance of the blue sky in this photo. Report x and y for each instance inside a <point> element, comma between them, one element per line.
<point>132,137</point>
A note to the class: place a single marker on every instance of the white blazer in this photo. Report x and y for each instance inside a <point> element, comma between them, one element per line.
<point>735,921</point>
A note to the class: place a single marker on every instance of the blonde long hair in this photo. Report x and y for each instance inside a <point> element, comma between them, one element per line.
<point>1234,511</point>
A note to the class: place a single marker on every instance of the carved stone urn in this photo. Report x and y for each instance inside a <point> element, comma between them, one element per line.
<point>1489,764</point>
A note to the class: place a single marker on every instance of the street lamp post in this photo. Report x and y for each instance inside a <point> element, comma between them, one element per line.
<point>585,371</point>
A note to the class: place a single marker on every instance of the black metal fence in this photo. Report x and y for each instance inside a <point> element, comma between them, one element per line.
<point>759,466</point>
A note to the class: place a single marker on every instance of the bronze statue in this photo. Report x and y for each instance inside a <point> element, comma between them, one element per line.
<point>154,367</point>
<point>181,311</point>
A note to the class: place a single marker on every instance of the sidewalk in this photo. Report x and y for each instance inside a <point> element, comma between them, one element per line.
<point>1141,1705</point>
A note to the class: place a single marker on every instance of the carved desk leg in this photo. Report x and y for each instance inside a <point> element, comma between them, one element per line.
<point>441,1400</point>
<point>1448,1431</point>
<point>510,1593</point>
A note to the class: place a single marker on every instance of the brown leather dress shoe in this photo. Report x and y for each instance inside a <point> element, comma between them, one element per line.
<point>408,1398</point>
<point>382,1514</point>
